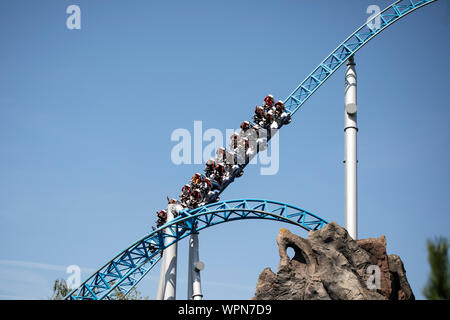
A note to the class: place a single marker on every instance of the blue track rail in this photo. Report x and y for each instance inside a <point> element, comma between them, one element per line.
<point>348,47</point>
<point>125,270</point>
<point>335,59</point>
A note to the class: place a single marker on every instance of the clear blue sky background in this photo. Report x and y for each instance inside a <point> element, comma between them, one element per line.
<point>86,117</point>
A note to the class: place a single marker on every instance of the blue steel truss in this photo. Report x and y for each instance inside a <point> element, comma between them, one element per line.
<point>350,46</point>
<point>347,48</point>
<point>125,270</point>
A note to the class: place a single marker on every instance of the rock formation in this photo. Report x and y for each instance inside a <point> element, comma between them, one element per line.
<point>330,265</point>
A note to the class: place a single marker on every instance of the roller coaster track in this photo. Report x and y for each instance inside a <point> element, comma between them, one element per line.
<point>348,47</point>
<point>125,270</point>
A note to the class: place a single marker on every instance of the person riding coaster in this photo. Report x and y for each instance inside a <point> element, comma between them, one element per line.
<point>242,151</point>
<point>268,119</point>
<point>162,214</point>
<point>209,190</point>
<point>258,138</point>
<point>281,117</point>
<point>279,107</point>
<point>229,159</point>
<point>162,218</point>
<point>196,179</point>
<point>186,190</point>
<point>253,137</point>
<point>196,198</point>
<point>262,117</point>
<point>268,102</point>
<point>221,155</point>
<point>185,194</point>
<point>252,133</point>
<point>211,173</point>
<point>219,173</point>
<point>258,117</point>
<point>206,185</point>
<point>245,126</point>
<point>234,141</point>
<point>225,157</point>
<point>209,168</point>
<point>245,129</point>
<point>232,165</point>
<point>159,223</point>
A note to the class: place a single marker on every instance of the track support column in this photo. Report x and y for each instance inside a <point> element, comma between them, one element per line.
<point>195,266</point>
<point>351,162</point>
<point>162,280</point>
<point>168,276</point>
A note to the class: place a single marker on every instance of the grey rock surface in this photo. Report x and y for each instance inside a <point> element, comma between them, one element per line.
<point>330,265</point>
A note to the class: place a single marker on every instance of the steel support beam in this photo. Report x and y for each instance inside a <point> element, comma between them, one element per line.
<point>351,161</point>
<point>195,266</point>
<point>168,276</point>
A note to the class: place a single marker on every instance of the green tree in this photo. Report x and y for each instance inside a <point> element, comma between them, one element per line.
<point>133,294</point>
<point>60,289</point>
<point>438,286</point>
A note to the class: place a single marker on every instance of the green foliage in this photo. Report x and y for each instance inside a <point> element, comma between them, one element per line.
<point>133,294</point>
<point>60,289</point>
<point>438,286</point>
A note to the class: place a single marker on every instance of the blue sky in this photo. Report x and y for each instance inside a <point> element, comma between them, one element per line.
<point>86,118</point>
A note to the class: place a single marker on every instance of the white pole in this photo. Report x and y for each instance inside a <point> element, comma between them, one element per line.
<point>195,266</point>
<point>170,260</point>
<point>190,268</point>
<point>351,129</point>
<point>162,280</point>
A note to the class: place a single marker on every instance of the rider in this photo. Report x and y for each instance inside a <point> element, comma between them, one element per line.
<point>277,112</point>
<point>258,117</point>
<point>162,214</point>
<point>206,185</point>
<point>185,193</point>
<point>195,198</point>
<point>209,169</point>
<point>162,218</point>
<point>281,116</point>
<point>268,102</point>
<point>234,141</point>
<point>245,149</point>
<point>196,180</point>
<point>207,190</point>
<point>225,157</point>
<point>245,129</point>
<point>219,173</point>
<point>279,107</point>
<point>186,190</point>
<point>221,155</point>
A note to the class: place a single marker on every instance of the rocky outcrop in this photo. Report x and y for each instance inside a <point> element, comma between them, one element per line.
<point>330,265</point>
